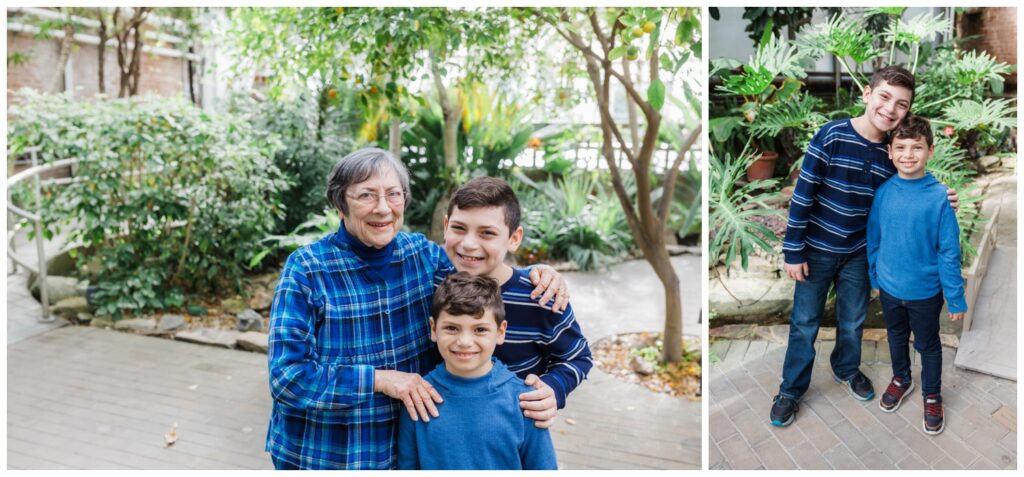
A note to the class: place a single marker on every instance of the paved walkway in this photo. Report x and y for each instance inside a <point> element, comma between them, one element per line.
<point>83,398</point>
<point>835,431</point>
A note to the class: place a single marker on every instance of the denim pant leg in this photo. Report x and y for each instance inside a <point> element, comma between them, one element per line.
<point>853,290</point>
<point>924,321</point>
<point>808,307</point>
<point>897,324</point>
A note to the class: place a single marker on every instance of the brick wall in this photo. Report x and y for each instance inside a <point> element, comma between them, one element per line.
<point>162,75</point>
<point>997,29</point>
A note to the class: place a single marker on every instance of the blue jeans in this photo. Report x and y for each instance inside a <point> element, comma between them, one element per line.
<point>922,318</point>
<point>853,290</point>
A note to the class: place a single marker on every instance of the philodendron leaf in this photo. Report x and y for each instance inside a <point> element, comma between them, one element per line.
<point>656,94</point>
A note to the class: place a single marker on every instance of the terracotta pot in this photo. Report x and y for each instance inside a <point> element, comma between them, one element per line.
<point>763,168</point>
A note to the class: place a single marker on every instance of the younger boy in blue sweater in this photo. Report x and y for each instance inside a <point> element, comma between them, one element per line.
<point>480,426</point>
<point>913,260</point>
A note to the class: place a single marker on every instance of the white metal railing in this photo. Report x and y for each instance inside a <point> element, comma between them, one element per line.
<point>37,221</point>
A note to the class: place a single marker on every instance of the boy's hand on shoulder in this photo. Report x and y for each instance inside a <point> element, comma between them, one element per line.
<point>956,316</point>
<point>539,404</point>
<point>798,272</point>
<point>954,199</point>
<point>549,284</point>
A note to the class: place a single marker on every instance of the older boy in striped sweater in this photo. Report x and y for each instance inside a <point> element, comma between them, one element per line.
<point>481,227</point>
<point>825,242</point>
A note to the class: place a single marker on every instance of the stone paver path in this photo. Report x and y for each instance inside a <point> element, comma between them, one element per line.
<point>84,398</point>
<point>834,431</point>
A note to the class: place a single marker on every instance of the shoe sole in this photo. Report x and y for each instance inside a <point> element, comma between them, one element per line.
<point>924,427</point>
<point>897,406</point>
<point>846,385</point>
<point>784,424</point>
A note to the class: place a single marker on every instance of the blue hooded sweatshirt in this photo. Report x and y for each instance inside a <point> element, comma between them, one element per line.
<point>914,242</point>
<point>480,427</point>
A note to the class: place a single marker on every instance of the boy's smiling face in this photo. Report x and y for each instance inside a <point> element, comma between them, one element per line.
<point>477,240</point>
<point>467,343</point>
<point>886,105</point>
<point>910,156</point>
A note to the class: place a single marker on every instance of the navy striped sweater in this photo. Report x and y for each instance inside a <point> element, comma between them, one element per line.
<point>833,195</point>
<point>540,341</point>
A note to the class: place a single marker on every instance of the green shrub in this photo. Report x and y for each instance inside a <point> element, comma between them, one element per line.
<point>173,200</point>
<point>314,134</point>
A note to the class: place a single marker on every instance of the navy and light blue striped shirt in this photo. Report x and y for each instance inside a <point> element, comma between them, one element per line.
<point>333,321</point>
<point>540,341</point>
<point>833,195</point>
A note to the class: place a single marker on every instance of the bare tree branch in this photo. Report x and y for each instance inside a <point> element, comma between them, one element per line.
<point>673,173</point>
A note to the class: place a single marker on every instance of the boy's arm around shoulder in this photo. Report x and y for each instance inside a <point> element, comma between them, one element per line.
<point>570,355</point>
<point>949,260</point>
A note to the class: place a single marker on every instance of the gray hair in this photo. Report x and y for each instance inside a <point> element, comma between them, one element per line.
<point>360,166</point>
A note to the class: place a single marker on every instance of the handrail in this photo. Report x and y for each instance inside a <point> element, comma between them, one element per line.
<point>37,220</point>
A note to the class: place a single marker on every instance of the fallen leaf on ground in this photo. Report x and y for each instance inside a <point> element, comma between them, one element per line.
<point>193,387</point>
<point>571,422</point>
<point>171,437</point>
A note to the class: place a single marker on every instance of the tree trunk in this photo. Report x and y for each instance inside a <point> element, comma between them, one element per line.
<point>672,336</point>
<point>58,82</point>
<point>451,111</point>
<point>634,123</point>
<point>101,57</point>
<point>395,137</point>
<point>129,62</point>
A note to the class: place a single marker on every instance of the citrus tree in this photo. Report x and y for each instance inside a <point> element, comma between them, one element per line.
<point>385,54</point>
<point>607,42</point>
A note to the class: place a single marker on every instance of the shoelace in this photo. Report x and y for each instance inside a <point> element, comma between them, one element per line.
<point>894,389</point>
<point>933,407</point>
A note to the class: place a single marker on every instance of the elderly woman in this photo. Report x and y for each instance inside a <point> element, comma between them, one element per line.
<point>349,335</point>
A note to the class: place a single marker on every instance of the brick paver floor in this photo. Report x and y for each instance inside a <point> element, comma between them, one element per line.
<point>834,431</point>
<point>85,398</point>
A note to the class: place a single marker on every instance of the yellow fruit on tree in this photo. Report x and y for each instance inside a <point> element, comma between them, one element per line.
<point>332,93</point>
<point>638,32</point>
<point>648,27</point>
<point>632,53</point>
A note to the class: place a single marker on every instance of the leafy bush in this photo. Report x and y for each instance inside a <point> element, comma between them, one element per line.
<point>572,218</point>
<point>315,133</point>
<point>171,200</point>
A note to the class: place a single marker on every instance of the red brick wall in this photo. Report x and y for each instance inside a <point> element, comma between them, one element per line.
<point>997,28</point>
<point>162,75</point>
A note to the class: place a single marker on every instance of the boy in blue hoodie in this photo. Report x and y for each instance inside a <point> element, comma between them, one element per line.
<point>914,260</point>
<point>480,426</point>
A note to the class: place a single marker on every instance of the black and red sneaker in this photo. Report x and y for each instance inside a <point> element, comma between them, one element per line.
<point>933,420</point>
<point>894,394</point>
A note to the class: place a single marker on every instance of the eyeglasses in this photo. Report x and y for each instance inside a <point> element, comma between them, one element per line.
<point>394,197</point>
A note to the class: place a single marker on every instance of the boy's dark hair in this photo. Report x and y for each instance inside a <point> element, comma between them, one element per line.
<point>464,294</point>
<point>896,76</point>
<point>488,192</point>
<point>913,127</point>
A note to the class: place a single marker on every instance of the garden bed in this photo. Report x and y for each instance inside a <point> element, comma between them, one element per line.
<point>632,357</point>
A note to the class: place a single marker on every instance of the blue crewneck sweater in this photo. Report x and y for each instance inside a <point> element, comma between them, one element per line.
<point>914,242</point>
<point>480,427</point>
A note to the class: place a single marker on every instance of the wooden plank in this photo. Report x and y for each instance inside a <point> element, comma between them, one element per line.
<point>979,268</point>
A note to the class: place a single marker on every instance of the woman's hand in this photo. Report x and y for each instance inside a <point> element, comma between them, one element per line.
<point>410,388</point>
<point>549,284</point>
<point>539,404</point>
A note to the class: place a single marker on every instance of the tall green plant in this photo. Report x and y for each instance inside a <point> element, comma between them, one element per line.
<point>732,206</point>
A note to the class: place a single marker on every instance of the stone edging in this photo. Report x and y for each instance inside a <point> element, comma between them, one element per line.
<point>780,334</point>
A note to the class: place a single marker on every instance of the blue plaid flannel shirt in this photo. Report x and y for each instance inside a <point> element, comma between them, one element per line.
<point>334,321</point>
